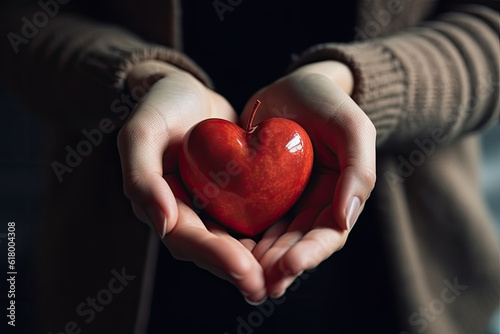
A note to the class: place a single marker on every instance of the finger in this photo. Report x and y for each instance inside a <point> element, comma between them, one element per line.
<point>248,244</point>
<point>220,231</point>
<point>280,247</point>
<point>218,253</point>
<point>317,245</point>
<point>302,223</point>
<point>268,239</point>
<point>211,267</point>
<point>270,260</point>
<point>279,286</point>
<point>282,240</point>
<point>352,137</point>
<point>277,279</point>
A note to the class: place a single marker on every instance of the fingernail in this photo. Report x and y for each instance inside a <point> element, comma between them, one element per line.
<point>352,212</point>
<point>277,294</point>
<point>236,276</point>
<point>254,303</point>
<point>158,219</point>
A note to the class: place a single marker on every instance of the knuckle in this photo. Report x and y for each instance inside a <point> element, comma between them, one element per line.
<point>296,263</point>
<point>245,268</point>
<point>368,177</point>
<point>148,126</point>
<point>132,133</point>
<point>131,186</point>
<point>136,132</point>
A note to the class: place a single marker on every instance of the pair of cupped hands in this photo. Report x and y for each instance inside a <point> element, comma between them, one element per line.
<point>316,96</point>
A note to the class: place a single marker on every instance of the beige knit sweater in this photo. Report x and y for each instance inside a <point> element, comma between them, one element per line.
<point>427,83</point>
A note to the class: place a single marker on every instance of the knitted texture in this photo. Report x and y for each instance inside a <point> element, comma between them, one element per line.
<point>450,65</point>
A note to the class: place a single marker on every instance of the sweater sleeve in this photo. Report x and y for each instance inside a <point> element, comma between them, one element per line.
<point>71,67</point>
<point>440,75</point>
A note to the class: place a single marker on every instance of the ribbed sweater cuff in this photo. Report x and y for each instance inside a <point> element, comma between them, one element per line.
<point>112,66</point>
<point>379,80</point>
<point>110,62</point>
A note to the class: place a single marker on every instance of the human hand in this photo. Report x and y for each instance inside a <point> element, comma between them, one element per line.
<point>316,96</point>
<point>148,144</point>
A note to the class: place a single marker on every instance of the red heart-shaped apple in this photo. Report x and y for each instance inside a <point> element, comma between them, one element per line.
<point>246,179</point>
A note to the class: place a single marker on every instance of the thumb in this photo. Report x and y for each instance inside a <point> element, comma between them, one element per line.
<point>354,144</point>
<point>142,142</point>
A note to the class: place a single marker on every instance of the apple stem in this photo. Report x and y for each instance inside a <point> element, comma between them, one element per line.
<point>252,115</point>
